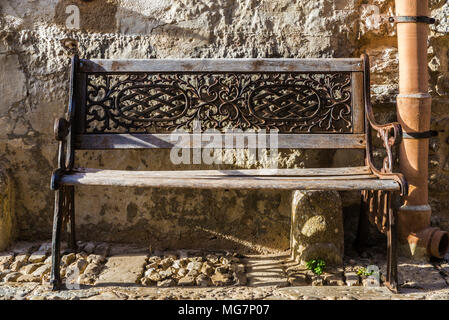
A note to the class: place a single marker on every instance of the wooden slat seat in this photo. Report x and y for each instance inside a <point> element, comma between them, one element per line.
<point>351,178</point>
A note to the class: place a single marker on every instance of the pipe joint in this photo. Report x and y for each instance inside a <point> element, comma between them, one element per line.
<point>434,240</point>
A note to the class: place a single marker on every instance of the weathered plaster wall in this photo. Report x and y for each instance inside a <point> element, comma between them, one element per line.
<point>34,86</point>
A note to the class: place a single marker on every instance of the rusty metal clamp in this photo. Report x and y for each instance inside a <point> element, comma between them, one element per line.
<point>415,19</point>
<point>419,135</point>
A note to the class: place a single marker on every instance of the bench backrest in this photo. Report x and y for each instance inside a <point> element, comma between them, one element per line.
<point>128,104</point>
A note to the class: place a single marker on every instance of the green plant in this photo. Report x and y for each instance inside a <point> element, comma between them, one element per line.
<point>316,265</point>
<point>364,272</point>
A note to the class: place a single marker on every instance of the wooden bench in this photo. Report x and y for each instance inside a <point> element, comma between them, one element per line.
<point>312,103</point>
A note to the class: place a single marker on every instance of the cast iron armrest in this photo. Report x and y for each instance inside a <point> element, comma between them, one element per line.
<point>391,135</point>
<point>61,129</point>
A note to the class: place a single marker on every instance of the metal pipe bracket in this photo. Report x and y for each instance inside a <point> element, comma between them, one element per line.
<point>414,19</point>
<point>419,135</point>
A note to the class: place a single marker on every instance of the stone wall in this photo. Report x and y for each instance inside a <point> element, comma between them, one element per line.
<point>34,86</point>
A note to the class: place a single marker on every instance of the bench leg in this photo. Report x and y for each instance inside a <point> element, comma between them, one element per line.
<point>392,259</point>
<point>55,279</point>
<point>70,203</point>
<point>361,239</point>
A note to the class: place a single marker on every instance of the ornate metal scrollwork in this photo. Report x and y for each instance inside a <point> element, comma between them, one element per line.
<point>158,103</point>
<point>390,136</point>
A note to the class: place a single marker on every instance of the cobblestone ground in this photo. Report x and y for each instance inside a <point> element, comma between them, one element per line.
<point>118,271</point>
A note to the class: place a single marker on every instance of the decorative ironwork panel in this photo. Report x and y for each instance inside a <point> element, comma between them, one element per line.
<point>160,103</point>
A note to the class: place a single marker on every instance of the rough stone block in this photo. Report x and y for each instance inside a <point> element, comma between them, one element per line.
<point>42,271</point>
<point>122,269</point>
<point>36,257</point>
<point>352,279</point>
<point>317,227</point>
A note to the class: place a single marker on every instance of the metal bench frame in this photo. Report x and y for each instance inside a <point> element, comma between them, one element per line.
<point>314,103</point>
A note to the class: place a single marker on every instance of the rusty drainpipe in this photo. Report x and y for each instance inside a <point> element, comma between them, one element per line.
<point>414,112</point>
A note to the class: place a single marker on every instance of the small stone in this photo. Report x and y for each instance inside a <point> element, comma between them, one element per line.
<point>81,264</point>
<point>11,277</point>
<point>203,280</point>
<point>207,269</point>
<point>333,280</point>
<point>48,260</point>
<point>38,256</point>
<point>96,258</point>
<point>182,272</point>
<point>152,265</point>
<point>298,280</point>
<point>167,262</point>
<point>177,264</point>
<point>19,262</point>
<point>219,279</point>
<point>68,259</point>
<point>155,277</point>
<point>86,279</point>
<point>186,281</point>
<point>224,260</point>
<point>352,279</point>
<point>194,265</point>
<point>193,273</point>
<point>28,278</point>
<point>154,259</point>
<point>222,270</point>
<point>82,255</point>
<point>147,282</point>
<point>41,271</point>
<point>6,258</point>
<point>80,245</point>
<point>197,259</point>
<point>29,268</point>
<point>166,273</point>
<point>89,247</point>
<point>212,258</point>
<point>371,282</point>
<point>92,270</point>
<point>149,272</point>
<point>166,283</point>
<point>233,259</point>
<point>317,281</point>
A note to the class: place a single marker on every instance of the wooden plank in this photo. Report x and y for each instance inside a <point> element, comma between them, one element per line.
<point>302,172</point>
<point>358,104</point>
<point>151,175</point>
<point>167,141</point>
<point>220,65</point>
<point>234,183</point>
